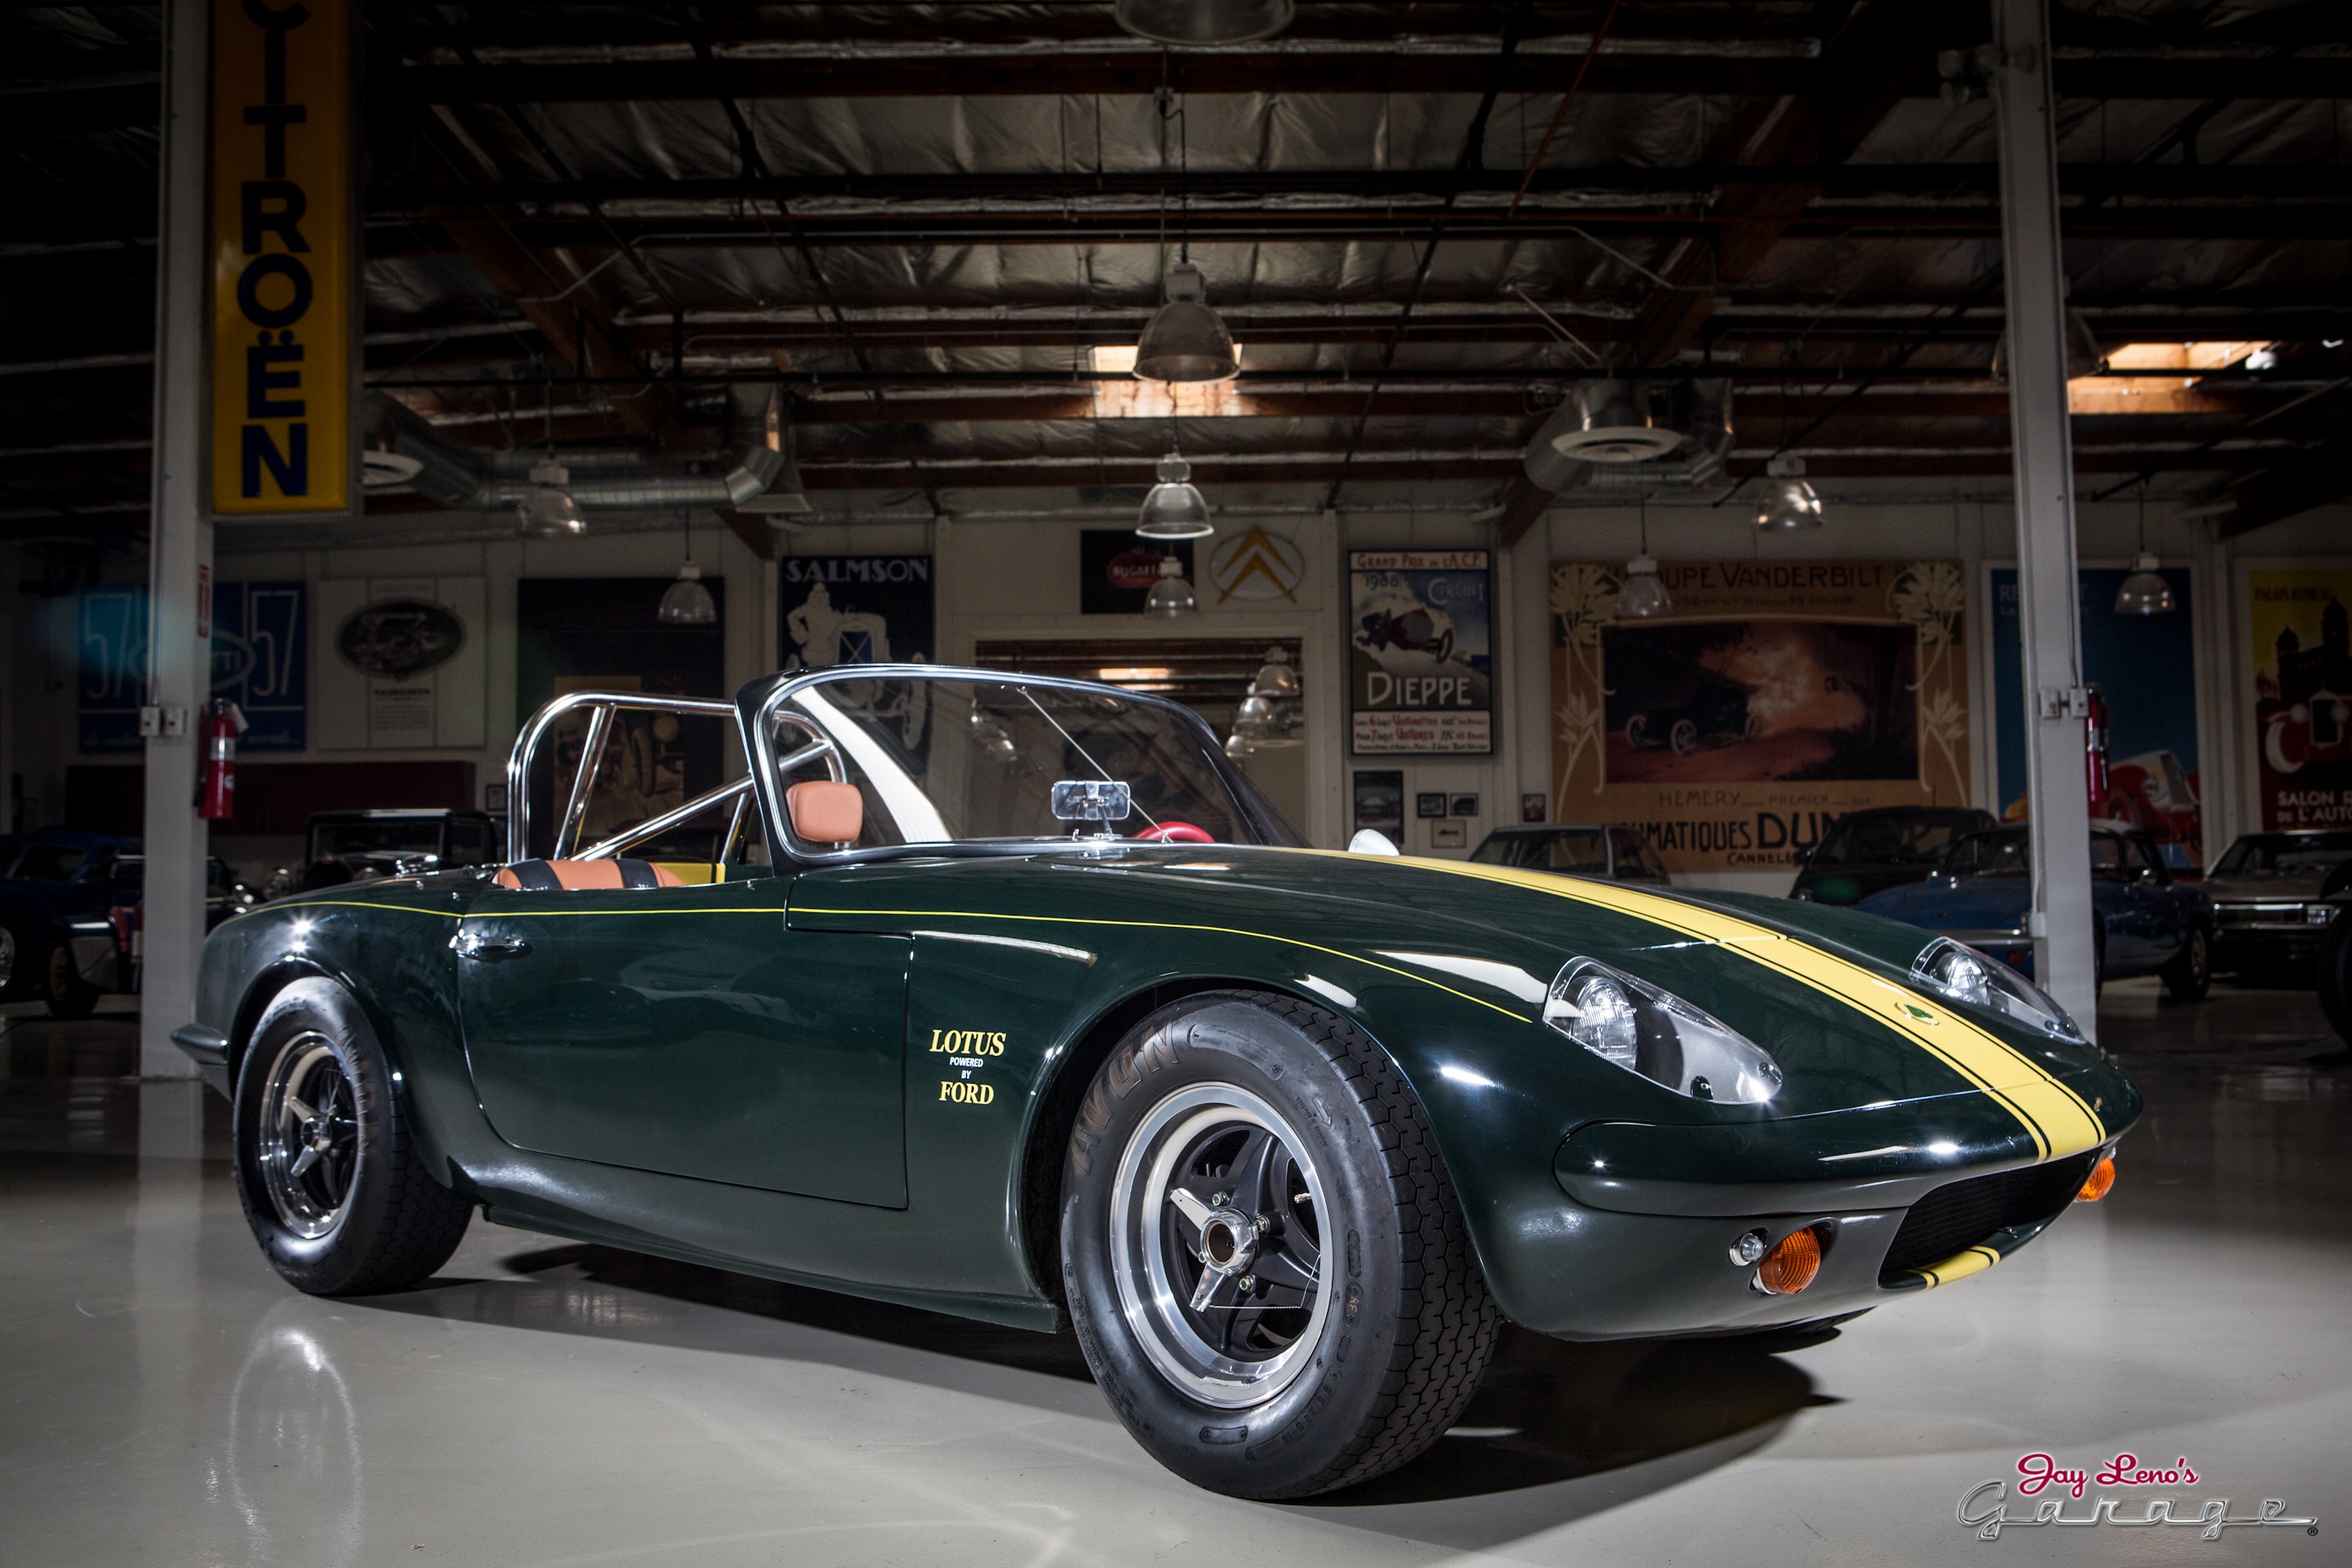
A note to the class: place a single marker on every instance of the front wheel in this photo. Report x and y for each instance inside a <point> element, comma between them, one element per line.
<point>1261,1251</point>
<point>2190,973</point>
<point>62,987</point>
<point>326,1166</point>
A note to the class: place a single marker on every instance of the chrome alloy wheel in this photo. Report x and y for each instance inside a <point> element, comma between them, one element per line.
<point>1217,1245</point>
<point>308,1137</point>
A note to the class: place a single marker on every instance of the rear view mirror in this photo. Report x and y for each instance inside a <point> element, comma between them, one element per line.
<point>1091,800</point>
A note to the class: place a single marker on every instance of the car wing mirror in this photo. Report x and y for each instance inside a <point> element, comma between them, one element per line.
<point>1372,841</point>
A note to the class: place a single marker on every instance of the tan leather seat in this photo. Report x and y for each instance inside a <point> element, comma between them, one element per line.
<point>824,812</point>
<point>572,875</point>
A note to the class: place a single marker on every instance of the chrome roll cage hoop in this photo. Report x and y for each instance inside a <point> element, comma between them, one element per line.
<point>601,707</point>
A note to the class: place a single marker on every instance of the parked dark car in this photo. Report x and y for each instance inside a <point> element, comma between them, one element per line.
<point>48,879</point>
<point>102,954</point>
<point>1867,852</point>
<point>359,845</point>
<point>1714,714</point>
<point>2149,923</point>
<point>1615,854</point>
<point>2269,896</point>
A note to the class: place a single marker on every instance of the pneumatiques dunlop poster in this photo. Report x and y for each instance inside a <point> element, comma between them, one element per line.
<point>1421,662</point>
<point>1774,697</point>
<point>2302,694</point>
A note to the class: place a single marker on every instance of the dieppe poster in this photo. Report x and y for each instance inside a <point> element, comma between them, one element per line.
<point>1774,697</point>
<point>1422,655</point>
<point>2302,695</point>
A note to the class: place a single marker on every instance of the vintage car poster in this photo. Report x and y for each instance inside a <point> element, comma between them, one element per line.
<point>2146,668</point>
<point>2302,695</point>
<point>863,609</point>
<point>1774,697</point>
<point>1420,629</point>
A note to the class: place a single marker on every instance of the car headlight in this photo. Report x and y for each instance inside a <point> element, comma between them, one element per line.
<point>1967,976</point>
<point>1633,1024</point>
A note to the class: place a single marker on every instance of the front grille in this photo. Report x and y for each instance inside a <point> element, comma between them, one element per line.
<point>1962,1214</point>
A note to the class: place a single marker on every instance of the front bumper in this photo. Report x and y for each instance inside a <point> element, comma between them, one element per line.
<point>2253,934</point>
<point>1644,1246</point>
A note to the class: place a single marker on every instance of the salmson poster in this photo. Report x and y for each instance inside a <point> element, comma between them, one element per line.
<point>2302,695</point>
<point>1420,629</point>
<point>1772,698</point>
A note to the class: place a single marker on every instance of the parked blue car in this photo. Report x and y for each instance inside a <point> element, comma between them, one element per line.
<point>2148,923</point>
<point>49,881</point>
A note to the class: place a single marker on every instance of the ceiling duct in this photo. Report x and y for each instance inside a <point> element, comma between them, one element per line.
<point>1695,413</point>
<point>755,474</point>
<point>1612,422</point>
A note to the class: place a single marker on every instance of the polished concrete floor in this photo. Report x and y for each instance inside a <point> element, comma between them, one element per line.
<point>165,1400</point>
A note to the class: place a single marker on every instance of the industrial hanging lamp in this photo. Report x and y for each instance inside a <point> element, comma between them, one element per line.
<point>1788,501</point>
<point>1172,594</point>
<point>547,510</point>
<point>2145,592</point>
<point>2083,354</point>
<point>1643,594</point>
<point>1273,711</point>
<point>1198,22</point>
<point>687,602</point>
<point>1185,340</point>
<point>1174,509</point>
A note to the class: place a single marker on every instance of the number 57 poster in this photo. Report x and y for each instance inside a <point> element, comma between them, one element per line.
<point>1420,629</point>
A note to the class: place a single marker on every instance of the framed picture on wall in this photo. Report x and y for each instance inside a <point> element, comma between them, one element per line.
<point>1380,803</point>
<point>1420,653</point>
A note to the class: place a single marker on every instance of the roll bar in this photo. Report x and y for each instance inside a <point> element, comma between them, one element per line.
<point>602,706</point>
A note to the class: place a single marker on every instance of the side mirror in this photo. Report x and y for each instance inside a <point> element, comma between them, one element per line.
<point>1372,841</point>
<point>1804,856</point>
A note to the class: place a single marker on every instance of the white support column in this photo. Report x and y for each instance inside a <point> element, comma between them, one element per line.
<point>2055,702</point>
<point>180,554</point>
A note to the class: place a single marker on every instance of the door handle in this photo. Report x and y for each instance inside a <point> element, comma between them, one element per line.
<point>488,949</point>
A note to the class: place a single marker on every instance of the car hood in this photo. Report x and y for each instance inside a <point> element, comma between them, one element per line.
<point>1852,881</point>
<point>2264,886</point>
<point>1825,991</point>
<point>1940,903</point>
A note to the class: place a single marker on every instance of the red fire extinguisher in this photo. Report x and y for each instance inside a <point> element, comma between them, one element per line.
<point>216,792</point>
<point>2095,754</point>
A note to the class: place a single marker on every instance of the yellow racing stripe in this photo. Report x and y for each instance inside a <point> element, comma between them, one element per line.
<point>2053,1114</point>
<point>1959,1266</point>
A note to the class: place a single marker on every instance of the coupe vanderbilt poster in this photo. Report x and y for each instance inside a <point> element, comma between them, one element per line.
<point>1774,697</point>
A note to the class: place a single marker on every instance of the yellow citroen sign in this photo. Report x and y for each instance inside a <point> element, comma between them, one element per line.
<point>282,258</point>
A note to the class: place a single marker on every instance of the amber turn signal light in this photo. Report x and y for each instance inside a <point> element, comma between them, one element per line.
<point>1791,1264</point>
<point>2094,1187</point>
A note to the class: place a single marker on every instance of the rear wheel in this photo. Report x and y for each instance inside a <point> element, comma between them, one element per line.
<point>62,987</point>
<point>326,1167</point>
<point>2190,973</point>
<point>1683,737</point>
<point>1262,1254</point>
<point>2336,976</point>
<point>18,975</point>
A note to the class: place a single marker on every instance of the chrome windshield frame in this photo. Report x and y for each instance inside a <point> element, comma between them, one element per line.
<point>761,706</point>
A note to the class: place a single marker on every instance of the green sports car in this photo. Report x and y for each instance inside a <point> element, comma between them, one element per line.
<point>1011,998</point>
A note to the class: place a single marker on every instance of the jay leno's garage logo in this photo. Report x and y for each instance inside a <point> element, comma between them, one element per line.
<point>2050,1486</point>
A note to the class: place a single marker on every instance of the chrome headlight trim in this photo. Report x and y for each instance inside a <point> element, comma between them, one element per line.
<point>1961,974</point>
<point>1631,1023</point>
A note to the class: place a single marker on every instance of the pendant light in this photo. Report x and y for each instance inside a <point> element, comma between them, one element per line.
<point>1185,340</point>
<point>1197,22</point>
<point>2145,592</point>
<point>1273,711</point>
<point>1172,594</point>
<point>1174,509</point>
<point>1643,594</point>
<point>547,510</point>
<point>2083,354</point>
<point>1788,502</point>
<point>687,602</point>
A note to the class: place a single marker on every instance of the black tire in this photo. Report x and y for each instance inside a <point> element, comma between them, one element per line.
<point>2190,973</point>
<point>19,971</point>
<point>62,987</point>
<point>363,1215</point>
<point>1683,737</point>
<point>2335,977</point>
<point>1360,1381</point>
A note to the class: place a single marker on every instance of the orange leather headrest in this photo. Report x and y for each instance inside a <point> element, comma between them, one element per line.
<point>826,812</point>
<point>571,876</point>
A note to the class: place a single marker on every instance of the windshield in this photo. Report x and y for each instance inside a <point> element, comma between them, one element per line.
<point>951,760</point>
<point>1911,837</point>
<point>2285,852</point>
<point>2006,854</point>
<point>49,863</point>
<point>1569,850</point>
<point>376,835</point>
